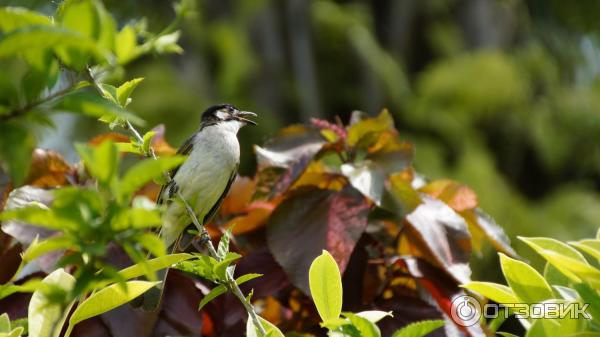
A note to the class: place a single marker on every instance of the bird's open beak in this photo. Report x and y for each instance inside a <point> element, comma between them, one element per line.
<point>241,114</point>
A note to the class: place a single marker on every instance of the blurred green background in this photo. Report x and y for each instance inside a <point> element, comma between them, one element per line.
<point>501,95</point>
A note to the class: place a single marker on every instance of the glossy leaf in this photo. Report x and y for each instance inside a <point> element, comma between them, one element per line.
<point>270,328</point>
<point>108,298</point>
<point>550,247</point>
<point>326,286</point>
<point>589,246</point>
<point>155,264</point>
<point>330,220</point>
<point>496,292</point>
<point>527,284</point>
<point>445,235</point>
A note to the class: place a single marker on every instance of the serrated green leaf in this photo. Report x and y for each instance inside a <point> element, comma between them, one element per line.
<point>214,293</point>
<point>125,90</point>
<point>220,268</point>
<point>143,172</point>
<point>326,286</point>
<point>526,283</point>
<point>223,247</point>
<point>496,292</point>
<point>419,329</point>
<point>155,264</point>
<point>106,299</point>
<point>93,105</point>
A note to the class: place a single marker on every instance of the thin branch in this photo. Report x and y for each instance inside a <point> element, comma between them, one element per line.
<point>206,240</point>
<point>31,105</point>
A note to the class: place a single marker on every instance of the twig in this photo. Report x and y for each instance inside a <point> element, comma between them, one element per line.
<point>206,240</point>
<point>21,110</point>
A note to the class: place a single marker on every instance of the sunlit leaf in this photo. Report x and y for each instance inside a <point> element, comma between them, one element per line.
<point>43,314</point>
<point>155,264</point>
<point>145,171</point>
<point>108,298</point>
<point>125,90</point>
<point>496,292</point>
<point>419,329</point>
<point>326,286</point>
<point>546,245</point>
<point>445,236</point>
<point>271,329</point>
<point>365,131</point>
<point>12,18</point>
<point>589,246</point>
<point>526,283</point>
<point>93,105</point>
<point>214,293</point>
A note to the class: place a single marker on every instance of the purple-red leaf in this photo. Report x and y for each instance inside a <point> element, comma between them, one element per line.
<point>312,220</point>
<point>445,234</point>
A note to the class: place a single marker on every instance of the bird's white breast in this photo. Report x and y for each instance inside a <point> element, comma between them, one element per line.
<point>203,177</point>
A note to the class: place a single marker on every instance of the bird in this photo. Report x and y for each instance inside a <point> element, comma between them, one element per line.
<point>203,180</point>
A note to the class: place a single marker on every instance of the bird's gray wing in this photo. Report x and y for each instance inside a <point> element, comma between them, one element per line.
<point>184,150</point>
<point>217,204</point>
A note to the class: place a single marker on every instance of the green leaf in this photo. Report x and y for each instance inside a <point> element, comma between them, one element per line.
<point>590,295</point>
<point>247,277</point>
<point>43,247</point>
<point>144,218</point>
<point>141,173</point>
<point>506,334</point>
<point>125,90</point>
<point>16,146</point>
<point>214,293</point>
<point>496,292</point>
<point>366,327</point>
<point>167,43</point>
<point>4,323</point>
<point>568,261</point>
<point>128,147</point>
<point>270,328</point>
<point>158,263</point>
<point>527,284</point>
<point>543,328</point>
<point>545,245</point>
<point>126,45</point>
<point>91,104</point>
<point>101,161</point>
<point>40,38</point>
<point>223,247</point>
<point>419,329</point>
<point>12,18</point>
<point>107,299</point>
<point>82,17</point>
<point>44,314</point>
<point>326,286</point>
<point>37,216</point>
<point>202,266</point>
<point>589,246</point>
<point>153,244</point>
<point>220,268</point>
<point>147,141</point>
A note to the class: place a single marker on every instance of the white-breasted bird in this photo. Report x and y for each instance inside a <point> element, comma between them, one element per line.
<point>205,176</point>
<point>203,179</point>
